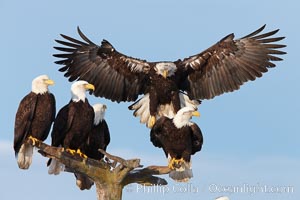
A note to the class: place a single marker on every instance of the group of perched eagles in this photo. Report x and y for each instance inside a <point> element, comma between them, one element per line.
<point>171,93</point>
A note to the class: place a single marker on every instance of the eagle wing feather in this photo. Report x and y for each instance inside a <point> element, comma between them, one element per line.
<point>158,132</point>
<point>225,66</point>
<point>197,138</point>
<point>24,116</point>
<point>116,76</point>
<point>62,124</point>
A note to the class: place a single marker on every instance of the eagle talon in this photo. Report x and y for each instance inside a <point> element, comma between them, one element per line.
<point>33,139</point>
<point>174,163</point>
<point>71,151</point>
<point>81,154</point>
<point>171,164</point>
<point>152,121</point>
<point>178,161</point>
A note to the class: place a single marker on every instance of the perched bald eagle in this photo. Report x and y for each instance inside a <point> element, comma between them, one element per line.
<point>34,117</point>
<point>179,139</point>
<point>98,138</point>
<point>223,67</point>
<point>72,124</point>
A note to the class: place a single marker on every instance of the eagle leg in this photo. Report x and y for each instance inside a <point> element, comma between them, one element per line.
<point>33,139</point>
<point>171,163</point>
<point>178,161</point>
<point>152,121</point>
<point>175,163</point>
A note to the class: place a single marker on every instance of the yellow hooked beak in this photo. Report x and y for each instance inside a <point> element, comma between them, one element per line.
<point>49,82</point>
<point>165,73</point>
<point>89,87</point>
<point>196,114</point>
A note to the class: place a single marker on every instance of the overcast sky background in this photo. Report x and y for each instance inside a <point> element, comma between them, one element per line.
<point>251,136</point>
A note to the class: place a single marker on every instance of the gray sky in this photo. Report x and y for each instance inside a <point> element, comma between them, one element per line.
<point>251,136</point>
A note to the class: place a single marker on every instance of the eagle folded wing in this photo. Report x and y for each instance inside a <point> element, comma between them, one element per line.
<point>158,132</point>
<point>61,125</point>
<point>197,138</point>
<point>23,120</point>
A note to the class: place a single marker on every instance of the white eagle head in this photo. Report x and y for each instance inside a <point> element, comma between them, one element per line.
<point>78,90</point>
<point>40,84</point>
<point>165,69</point>
<point>99,110</point>
<point>183,116</point>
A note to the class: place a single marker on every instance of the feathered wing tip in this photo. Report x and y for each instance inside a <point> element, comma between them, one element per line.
<point>55,167</point>
<point>25,156</point>
<point>83,181</point>
<point>142,110</point>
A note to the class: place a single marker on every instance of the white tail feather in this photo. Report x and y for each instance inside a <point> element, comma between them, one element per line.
<point>55,167</point>
<point>142,110</point>
<point>25,156</point>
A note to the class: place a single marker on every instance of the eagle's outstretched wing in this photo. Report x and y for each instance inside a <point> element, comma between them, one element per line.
<point>116,76</point>
<point>228,64</point>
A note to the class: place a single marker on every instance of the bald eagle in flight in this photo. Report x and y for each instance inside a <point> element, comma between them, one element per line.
<point>221,68</point>
<point>72,124</point>
<point>33,120</point>
<point>98,138</point>
<point>179,138</point>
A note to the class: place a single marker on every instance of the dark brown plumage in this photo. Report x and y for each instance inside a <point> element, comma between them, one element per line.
<point>179,143</point>
<point>223,67</point>
<point>229,63</point>
<point>34,117</point>
<point>73,123</point>
<point>98,138</point>
<point>179,139</point>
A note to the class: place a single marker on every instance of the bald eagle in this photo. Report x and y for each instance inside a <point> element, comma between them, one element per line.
<point>221,68</point>
<point>33,120</point>
<point>72,124</point>
<point>98,138</point>
<point>179,138</point>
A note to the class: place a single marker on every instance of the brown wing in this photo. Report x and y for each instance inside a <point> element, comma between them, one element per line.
<point>197,138</point>
<point>158,132</point>
<point>116,76</point>
<point>225,66</point>
<point>23,120</point>
<point>106,135</point>
<point>62,124</point>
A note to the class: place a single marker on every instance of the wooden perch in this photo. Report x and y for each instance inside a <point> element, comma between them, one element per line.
<point>110,176</point>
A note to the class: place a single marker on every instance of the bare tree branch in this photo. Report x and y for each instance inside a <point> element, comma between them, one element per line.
<point>109,178</point>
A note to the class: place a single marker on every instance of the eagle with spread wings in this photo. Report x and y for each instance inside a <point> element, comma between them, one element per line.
<point>169,86</point>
